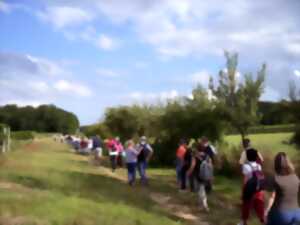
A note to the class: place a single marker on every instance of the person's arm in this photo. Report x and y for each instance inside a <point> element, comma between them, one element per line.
<point>150,152</point>
<point>260,157</point>
<point>192,167</point>
<point>243,158</point>
<point>270,203</point>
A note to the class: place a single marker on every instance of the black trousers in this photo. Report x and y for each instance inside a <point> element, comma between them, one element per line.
<point>184,178</point>
<point>113,162</point>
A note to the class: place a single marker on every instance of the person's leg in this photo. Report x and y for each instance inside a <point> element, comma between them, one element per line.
<point>131,171</point>
<point>113,162</point>
<point>139,169</point>
<point>246,206</point>
<point>208,187</point>
<point>183,178</point>
<point>202,196</point>
<point>143,170</point>
<point>259,207</point>
<point>178,170</point>
<point>191,182</point>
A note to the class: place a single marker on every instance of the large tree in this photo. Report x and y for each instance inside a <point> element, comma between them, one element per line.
<point>239,99</point>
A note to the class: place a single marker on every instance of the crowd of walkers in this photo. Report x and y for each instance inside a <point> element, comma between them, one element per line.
<point>195,162</point>
<point>135,156</point>
<point>194,165</point>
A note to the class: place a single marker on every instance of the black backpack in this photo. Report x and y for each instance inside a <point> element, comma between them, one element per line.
<point>143,154</point>
<point>255,184</point>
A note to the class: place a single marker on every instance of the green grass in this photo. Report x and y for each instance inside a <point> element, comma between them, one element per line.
<point>47,184</point>
<point>267,143</point>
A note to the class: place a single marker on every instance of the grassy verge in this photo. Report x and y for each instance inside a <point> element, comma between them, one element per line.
<point>43,183</point>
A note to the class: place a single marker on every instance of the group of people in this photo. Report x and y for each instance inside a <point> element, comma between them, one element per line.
<point>282,207</point>
<point>136,157</point>
<point>86,146</point>
<point>194,165</point>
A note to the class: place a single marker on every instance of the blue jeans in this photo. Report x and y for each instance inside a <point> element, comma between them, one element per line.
<point>284,217</point>
<point>131,167</point>
<point>142,166</point>
<point>178,169</point>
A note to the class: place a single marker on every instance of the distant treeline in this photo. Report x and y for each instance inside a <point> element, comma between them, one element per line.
<point>275,113</point>
<point>45,118</point>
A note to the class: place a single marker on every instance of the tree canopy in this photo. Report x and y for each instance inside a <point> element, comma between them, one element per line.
<point>45,118</point>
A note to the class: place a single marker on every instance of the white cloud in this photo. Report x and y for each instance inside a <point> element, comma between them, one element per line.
<point>294,48</point>
<point>39,86</point>
<point>106,43</point>
<point>72,88</point>
<point>4,7</point>
<point>297,73</point>
<point>47,67</point>
<point>107,72</point>
<point>65,16</point>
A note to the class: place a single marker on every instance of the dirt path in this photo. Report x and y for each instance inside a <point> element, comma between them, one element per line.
<point>181,211</point>
<point>167,202</point>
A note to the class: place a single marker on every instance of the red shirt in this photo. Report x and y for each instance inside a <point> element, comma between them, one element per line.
<point>180,152</point>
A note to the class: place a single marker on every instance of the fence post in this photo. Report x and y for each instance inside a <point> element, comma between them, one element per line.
<point>3,141</point>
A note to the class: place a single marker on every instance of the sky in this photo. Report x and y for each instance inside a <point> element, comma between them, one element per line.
<point>85,56</point>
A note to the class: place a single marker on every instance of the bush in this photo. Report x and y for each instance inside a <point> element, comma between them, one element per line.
<point>22,135</point>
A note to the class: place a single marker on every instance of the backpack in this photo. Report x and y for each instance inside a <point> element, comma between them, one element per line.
<point>205,171</point>
<point>143,154</point>
<point>255,184</point>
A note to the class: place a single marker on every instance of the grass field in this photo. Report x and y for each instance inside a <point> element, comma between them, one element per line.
<point>43,182</point>
<point>267,143</point>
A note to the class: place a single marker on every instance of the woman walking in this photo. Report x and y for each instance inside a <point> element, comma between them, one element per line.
<point>131,161</point>
<point>283,207</point>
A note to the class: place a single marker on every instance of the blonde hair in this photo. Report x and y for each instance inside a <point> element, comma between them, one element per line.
<point>130,143</point>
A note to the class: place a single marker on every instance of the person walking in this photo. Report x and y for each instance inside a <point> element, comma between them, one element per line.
<point>209,151</point>
<point>113,153</point>
<point>131,160</point>
<point>283,206</point>
<point>246,144</point>
<point>119,147</point>
<point>180,152</point>
<point>202,170</point>
<point>145,153</point>
<point>97,147</point>
<point>187,162</point>
<point>253,190</point>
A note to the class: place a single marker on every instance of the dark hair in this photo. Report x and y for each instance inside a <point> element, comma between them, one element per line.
<point>251,155</point>
<point>182,142</point>
<point>246,142</point>
<point>282,164</point>
<point>204,139</point>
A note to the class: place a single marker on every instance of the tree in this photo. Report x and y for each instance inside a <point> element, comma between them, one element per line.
<point>239,99</point>
<point>45,118</point>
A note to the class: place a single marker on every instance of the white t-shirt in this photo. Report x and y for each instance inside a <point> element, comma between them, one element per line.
<point>248,168</point>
